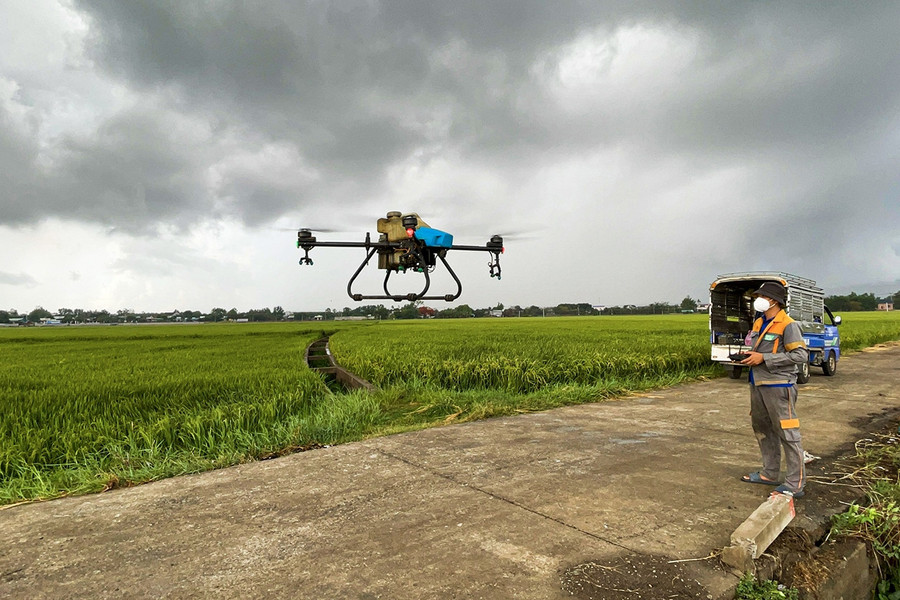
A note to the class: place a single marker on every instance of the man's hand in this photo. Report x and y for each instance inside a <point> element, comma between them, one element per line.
<point>755,358</point>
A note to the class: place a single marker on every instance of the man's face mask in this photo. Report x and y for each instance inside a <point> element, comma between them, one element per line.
<point>761,305</point>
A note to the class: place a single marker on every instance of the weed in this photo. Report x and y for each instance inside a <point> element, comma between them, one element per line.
<point>878,521</point>
<point>749,588</point>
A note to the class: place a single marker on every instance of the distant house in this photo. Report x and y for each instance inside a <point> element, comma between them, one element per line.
<point>317,318</point>
<point>703,307</point>
<point>496,313</point>
<point>886,304</point>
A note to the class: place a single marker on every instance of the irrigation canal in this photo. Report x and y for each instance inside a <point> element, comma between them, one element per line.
<point>339,379</point>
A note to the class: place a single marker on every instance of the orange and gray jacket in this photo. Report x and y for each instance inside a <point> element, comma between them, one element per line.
<point>782,346</point>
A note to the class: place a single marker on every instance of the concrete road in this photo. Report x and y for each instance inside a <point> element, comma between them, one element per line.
<point>503,508</point>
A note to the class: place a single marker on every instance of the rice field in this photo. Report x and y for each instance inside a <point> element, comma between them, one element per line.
<point>85,409</point>
<point>527,355</point>
<point>863,329</point>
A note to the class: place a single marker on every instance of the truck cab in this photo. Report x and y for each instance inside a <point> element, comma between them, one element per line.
<point>731,318</point>
<point>825,347</point>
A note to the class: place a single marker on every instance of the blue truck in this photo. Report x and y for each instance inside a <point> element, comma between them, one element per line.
<point>731,317</point>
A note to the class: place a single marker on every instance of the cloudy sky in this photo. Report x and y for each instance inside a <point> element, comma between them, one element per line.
<point>160,155</point>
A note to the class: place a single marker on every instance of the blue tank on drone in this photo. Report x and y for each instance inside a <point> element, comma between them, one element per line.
<point>434,238</point>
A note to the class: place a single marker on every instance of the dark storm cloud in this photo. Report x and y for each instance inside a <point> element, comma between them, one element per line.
<point>805,98</point>
<point>20,188</point>
<point>326,74</point>
<point>138,167</point>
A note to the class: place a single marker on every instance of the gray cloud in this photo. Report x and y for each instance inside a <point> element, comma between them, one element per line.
<point>354,85</point>
<point>16,279</point>
<point>258,110</point>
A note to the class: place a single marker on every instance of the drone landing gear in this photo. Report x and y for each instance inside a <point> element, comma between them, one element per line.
<point>412,297</point>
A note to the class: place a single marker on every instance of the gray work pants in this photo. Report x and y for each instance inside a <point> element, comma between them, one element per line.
<point>775,423</point>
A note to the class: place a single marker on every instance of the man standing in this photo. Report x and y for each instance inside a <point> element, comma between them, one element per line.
<point>777,348</point>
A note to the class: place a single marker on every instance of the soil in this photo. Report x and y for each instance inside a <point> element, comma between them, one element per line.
<point>639,576</point>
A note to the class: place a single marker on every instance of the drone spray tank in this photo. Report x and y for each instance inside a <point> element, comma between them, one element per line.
<point>396,228</point>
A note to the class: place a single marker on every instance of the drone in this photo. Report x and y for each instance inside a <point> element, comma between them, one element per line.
<point>406,244</point>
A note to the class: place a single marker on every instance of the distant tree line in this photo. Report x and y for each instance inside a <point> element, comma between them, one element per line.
<point>127,315</point>
<point>412,310</point>
<point>857,302</point>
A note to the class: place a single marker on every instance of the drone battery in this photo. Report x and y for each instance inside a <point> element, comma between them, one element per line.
<point>434,238</point>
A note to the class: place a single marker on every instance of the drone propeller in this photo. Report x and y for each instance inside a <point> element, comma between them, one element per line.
<point>519,236</point>
<point>313,229</point>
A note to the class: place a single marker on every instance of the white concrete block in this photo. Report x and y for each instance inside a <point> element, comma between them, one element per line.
<point>759,530</point>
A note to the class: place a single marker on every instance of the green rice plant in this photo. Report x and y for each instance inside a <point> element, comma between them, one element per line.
<point>526,355</point>
<point>77,405</point>
<point>90,408</point>
<point>863,329</point>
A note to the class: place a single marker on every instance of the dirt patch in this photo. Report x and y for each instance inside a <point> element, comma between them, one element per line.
<point>638,576</point>
<point>881,347</point>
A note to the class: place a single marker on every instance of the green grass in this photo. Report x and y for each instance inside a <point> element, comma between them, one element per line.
<point>88,408</point>
<point>876,469</point>
<point>750,588</point>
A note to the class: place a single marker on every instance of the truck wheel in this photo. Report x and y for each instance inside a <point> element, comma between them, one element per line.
<point>803,373</point>
<point>830,364</point>
<point>735,372</point>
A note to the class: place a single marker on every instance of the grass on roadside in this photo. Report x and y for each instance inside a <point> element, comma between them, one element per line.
<point>750,588</point>
<point>876,468</point>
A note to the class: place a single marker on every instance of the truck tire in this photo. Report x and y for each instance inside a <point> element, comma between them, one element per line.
<point>735,372</point>
<point>803,372</point>
<point>830,364</point>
